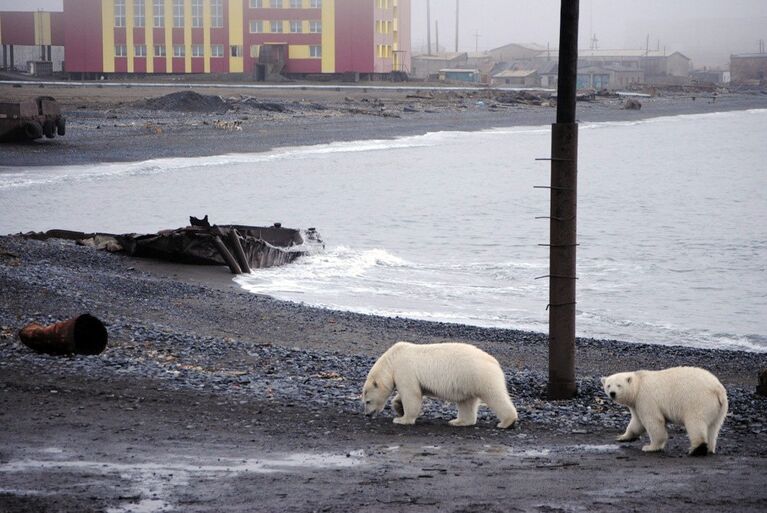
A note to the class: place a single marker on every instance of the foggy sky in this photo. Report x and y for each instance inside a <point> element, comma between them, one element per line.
<point>707,31</point>
<point>30,5</point>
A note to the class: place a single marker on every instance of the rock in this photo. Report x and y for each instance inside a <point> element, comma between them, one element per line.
<point>761,388</point>
<point>632,104</point>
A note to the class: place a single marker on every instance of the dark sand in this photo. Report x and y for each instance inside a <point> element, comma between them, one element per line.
<point>210,399</point>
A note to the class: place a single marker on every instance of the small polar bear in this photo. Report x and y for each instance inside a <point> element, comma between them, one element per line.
<point>460,373</point>
<point>688,396</point>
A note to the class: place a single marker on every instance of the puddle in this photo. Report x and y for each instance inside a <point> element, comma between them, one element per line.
<point>154,483</point>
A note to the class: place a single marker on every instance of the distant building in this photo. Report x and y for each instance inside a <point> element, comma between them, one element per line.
<point>516,78</point>
<point>710,76</point>
<point>425,67</point>
<point>28,37</point>
<point>251,37</point>
<point>515,52</point>
<point>459,75</point>
<point>748,67</point>
<point>608,77</point>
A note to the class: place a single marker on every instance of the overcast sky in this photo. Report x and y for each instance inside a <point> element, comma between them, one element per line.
<point>707,31</point>
<point>30,5</point>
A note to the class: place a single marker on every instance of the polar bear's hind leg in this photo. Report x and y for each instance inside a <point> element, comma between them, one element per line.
<point>467,413</point>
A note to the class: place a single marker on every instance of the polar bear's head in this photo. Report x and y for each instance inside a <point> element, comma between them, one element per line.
<point>374,396</point>
<point>620,387</point>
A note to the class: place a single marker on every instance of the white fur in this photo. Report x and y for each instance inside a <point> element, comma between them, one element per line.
<point>460,373</point>
<point>688,396</point>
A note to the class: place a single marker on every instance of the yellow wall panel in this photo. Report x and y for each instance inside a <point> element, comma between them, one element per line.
<point>206,22</point>
<point>236,36</point>
<point>108,31</point>
<point>149,35</point>
<point>329,36</point>
<point>187,36</point>
<point>298,51</point>
<point>168,36</point>
<point>129,33</point>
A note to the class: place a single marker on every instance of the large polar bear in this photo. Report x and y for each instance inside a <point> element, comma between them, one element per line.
<point>460,373</point>
<point>688,396</point>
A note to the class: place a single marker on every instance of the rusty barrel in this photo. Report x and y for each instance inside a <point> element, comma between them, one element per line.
<point>84,334</point>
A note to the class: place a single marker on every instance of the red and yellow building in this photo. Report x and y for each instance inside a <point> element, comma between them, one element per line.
<point>230,36</point>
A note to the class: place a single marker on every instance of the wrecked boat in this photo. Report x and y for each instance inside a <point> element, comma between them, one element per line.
<point>31,119</point>
<point>239,247</point>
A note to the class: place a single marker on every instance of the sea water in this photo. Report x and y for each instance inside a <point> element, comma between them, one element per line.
<point>672,223</point>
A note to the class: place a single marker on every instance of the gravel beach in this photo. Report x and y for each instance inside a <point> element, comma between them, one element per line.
<point>209,398</point>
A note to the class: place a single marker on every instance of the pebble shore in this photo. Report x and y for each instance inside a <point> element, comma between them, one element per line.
<point>49,281</point>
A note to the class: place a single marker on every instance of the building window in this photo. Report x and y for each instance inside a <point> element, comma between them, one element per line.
<point>255,51</point>
<point>315,27</point>
<point>196,13</point>
<point>197,51</point>
<point>217,13</point>
<point>315,51</point>
<point>121,51</point>
<point>295,26</point>
<point>217,51</point>
<point>316,4</point>
<point>139,50</point>
<point>276,26</point>
<point>256,26</point>
<point>159,13</point>
<point>138,13</point>
<point>119,13</point>
<point>295,4</point>
<point>275,4</point>
<point>178,13</point>
<point>179,51</point>
<point>159,50</point>
<point>235,51</point>
<point>256,4</point>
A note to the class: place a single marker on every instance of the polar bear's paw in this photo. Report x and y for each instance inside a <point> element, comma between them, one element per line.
<point>652,448</point>
<point>626,438</point>
<point>460,423</point>
<point>404,421</point>
<point>506,424</point>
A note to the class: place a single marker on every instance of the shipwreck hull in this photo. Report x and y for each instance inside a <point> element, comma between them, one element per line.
<point>240,247</point>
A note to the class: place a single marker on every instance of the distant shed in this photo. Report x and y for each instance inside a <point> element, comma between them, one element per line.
<point>459,75</point>
<point>748,67</point>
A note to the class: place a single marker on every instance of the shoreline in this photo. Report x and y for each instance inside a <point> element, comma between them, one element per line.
<point>197,371</point>
<point>115,126</point>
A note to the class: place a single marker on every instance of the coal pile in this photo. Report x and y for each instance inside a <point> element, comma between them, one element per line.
<point>187,101</point>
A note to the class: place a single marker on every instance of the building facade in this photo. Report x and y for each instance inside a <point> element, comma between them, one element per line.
<point>235,36</point>
<point>31,36</point>
<point>749,68</point>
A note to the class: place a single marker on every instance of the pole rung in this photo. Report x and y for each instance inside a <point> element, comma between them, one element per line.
<point>555,159</point>
<point>560,245</point>
<point>560,304</point>
<point>557,218</point>
<point>556,276</point>
<point>552,187</point>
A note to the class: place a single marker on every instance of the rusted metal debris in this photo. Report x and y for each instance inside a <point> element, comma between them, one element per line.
<point>84,334</point>
<point>239,247</point>
<point>31,119</point>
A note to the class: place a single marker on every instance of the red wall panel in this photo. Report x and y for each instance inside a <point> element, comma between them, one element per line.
<point>355,27</point>
<point>83,48</point>
<point>18,28</point>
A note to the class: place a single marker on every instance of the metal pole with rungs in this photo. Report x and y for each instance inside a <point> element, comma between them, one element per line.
<point>563,235</point>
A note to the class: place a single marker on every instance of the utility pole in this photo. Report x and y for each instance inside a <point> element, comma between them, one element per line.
<point>562,221</point>
<point>456,25</point>
<point>428,27</point>
<point>476,41</point>
<point>436,29</point>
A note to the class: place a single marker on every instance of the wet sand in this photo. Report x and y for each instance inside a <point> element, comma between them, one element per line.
<point>111,125</point>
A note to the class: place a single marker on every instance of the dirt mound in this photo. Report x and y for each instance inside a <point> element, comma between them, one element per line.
<point>186,101</point>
